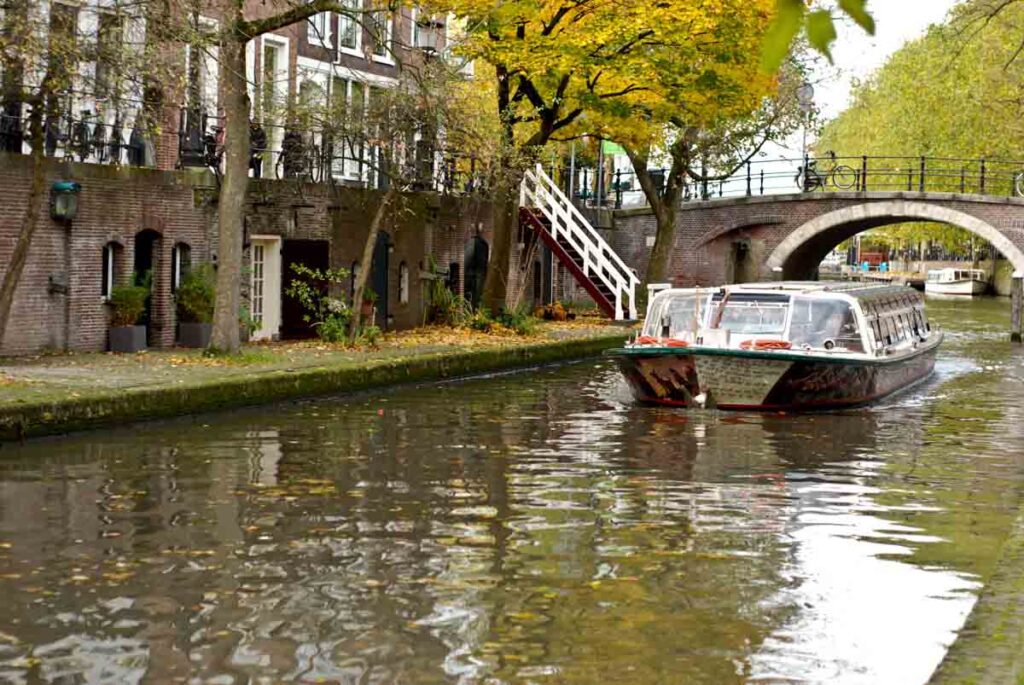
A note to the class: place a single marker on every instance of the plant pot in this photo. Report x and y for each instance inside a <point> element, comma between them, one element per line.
<point>127,338</point>
<point>366,311</point>
<point>194,334</point>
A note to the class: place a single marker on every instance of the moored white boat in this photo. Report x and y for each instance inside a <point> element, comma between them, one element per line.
<point>780,346</point>
<point>964,282</point>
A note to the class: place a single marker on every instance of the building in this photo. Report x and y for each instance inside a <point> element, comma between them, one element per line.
<point>147,200</point>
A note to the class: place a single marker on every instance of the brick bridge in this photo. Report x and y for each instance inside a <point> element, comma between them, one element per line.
<point>733,240</point>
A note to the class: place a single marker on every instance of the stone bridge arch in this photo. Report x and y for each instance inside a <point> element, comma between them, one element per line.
<point>800,252</point>
<point>750,238</point>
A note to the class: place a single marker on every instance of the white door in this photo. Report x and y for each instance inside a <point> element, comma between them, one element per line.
<point>265,287</point>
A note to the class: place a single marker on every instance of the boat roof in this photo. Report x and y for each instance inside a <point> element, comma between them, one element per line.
<point>855,289</point>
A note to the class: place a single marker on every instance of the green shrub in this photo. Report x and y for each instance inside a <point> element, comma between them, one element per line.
<point>518,319</point>
<point>446,308</point>
<point>196,295</point>
<point>480,320</point>
<point>369,336</point>
<point>128,302</point>
<point>328,316</point>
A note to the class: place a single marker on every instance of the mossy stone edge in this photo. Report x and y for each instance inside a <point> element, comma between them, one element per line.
<point>83,413</point>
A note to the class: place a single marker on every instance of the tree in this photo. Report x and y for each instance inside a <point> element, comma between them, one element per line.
<point>554,62</point>
<point>967,108</point>
<point>796,17</point>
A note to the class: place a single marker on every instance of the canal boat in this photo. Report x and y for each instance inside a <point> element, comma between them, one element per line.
<point>963,282</point>
<point>784,346</point>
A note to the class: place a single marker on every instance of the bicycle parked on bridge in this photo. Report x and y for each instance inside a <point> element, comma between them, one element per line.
<point>838,175</point>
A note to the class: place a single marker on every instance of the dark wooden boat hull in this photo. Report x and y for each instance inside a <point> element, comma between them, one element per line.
<point>767,381</point>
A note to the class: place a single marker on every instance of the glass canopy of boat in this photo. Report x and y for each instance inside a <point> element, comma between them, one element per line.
<point>841,317</point>
<point>951,275</point>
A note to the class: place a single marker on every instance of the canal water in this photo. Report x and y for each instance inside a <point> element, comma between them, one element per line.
<point>528,528</point>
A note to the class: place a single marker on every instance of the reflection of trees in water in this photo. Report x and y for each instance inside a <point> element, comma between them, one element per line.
<point>482,528</point>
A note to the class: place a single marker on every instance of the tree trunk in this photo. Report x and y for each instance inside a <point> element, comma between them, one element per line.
<point>367,261</point>
<point>16,265</point>
<point>505,229</point>
<point>231,203</point>
<point>664,239</point>
<point>664,206</point>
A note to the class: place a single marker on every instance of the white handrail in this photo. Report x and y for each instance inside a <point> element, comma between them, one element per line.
<point>568,225</point>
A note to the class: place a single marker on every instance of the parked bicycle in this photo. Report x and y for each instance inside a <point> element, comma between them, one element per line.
<point>1018,184</point>
<point>298,159</point>
<point>838,176</point>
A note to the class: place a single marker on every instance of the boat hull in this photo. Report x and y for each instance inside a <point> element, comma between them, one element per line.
<point>753,381</point>
<point>962,288</point>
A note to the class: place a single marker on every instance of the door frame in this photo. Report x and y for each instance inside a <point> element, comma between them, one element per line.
<point>270,328</point>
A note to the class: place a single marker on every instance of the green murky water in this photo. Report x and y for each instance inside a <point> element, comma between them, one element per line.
<point>530,528</point>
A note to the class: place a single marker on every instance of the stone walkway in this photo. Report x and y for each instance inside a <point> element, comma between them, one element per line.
<point>53,393</point>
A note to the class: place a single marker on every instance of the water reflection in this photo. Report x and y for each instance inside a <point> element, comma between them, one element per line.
<point>536,528</point>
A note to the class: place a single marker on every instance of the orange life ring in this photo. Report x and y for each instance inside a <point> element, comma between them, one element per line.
<point>663,342</point>
<point>762,345</point>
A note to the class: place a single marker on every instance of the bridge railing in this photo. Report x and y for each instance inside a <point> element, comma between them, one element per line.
<point>826,173</point>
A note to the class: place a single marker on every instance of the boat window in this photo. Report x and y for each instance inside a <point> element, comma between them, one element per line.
<point>816,322</point>
<point>753,317</point>
<point>672,315</point>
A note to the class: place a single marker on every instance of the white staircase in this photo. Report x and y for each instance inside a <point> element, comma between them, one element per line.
<point>546,210</point>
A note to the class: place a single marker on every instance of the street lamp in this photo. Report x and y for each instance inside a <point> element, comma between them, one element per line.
<point>805,98</point>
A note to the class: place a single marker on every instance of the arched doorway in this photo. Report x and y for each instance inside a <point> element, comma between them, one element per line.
<point>146,271</point>
<point>476,255</point>
<point>798,255</point>
<point>379,278</point>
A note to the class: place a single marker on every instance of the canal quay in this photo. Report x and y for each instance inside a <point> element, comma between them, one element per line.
<point>535,527</point>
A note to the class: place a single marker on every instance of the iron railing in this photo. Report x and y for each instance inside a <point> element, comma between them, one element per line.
<point>829,173</point>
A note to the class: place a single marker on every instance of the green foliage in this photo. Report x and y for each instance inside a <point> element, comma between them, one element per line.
<point>329,316</point>
<point>196,294</point>
<point>480,320</point>
<point>369,336</point>
<point>128,302</point>
<point>518,319</point>
<point>447,308</point>
<point>792,16</point>
<point>952,93</point>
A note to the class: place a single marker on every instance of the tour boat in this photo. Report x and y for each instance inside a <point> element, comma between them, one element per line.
<point>967,282</point>
<point>783,346</point>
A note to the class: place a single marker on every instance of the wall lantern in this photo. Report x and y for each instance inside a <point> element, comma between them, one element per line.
<point>64,200</point>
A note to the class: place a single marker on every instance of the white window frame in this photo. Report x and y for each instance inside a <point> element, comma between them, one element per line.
<point>322,73</point>
<point>319,35</point>
<point>109,269</point>
<point>389,39</point>
<point>403,283</point>
<point>210,94</point>
<point>357,50</point>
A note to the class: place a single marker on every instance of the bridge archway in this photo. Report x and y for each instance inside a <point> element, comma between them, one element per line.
<point>799,254</point>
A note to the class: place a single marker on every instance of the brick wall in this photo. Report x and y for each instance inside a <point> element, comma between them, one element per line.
<point>114,205</point>
<point>117,204</point>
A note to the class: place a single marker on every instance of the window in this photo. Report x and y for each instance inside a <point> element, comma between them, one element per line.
<point>111,269</point>
<point>381,23</point>
<point>320,29</point>
<point>349,30</point>
<point>258,282</point>
<point>403,283</point>
<point>181,263</point>
<point>109,38</point>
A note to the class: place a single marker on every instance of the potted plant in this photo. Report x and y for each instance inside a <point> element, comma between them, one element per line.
<point>369,300</point>
<point>194,304</point>
<point>127,302</point>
